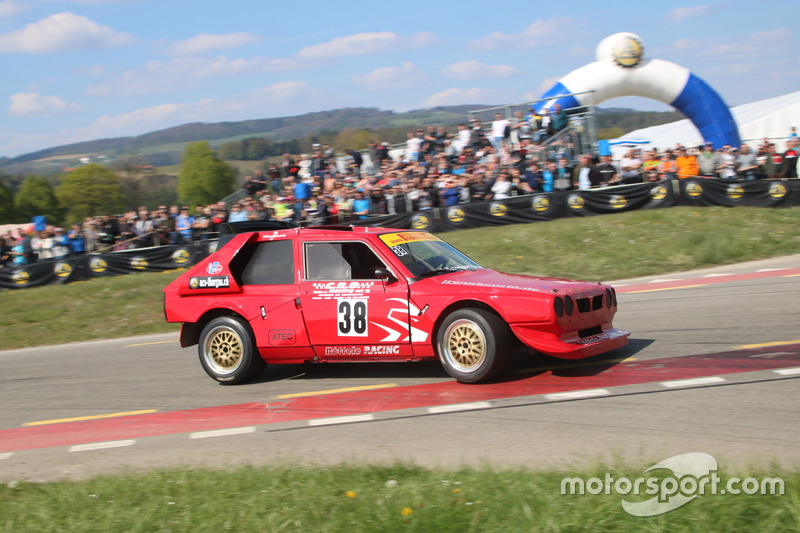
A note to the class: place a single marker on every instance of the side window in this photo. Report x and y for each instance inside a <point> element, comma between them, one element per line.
<point>271,263</point>
<point>340,261</point>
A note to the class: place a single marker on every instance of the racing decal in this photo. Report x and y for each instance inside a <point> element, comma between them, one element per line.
<point>332,290</point>
<point>181,256</point>
<point>209,282</point>
<point>494,285</point>
<point>98,265</point>
<point>349,351</point>
<point>62,269</point>
<point>352,318</point>
<point>394,239</point>
<point>214,268</point>
<point>282,337</point>
<point>271,236</point>
<point>399,251</point>
<point>399,315</point>
<point>139,262</point>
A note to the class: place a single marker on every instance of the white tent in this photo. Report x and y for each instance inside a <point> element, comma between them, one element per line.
<point>771,118</point>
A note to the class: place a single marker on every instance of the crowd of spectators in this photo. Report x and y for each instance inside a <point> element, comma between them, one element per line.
<point>524,154</point>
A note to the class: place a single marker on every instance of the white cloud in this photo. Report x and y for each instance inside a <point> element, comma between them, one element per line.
<point>61,32</point>
<point>763,44</point>
<point>680,14</point>
<point>406,75</point>
<point>365,43</point>
<point>11,7</point>
<point>540,33</point>
<point>181,73</point>
<point>457,96</point>
<point>471,70</point>
<point>35,104</point>
<point>206,42</point>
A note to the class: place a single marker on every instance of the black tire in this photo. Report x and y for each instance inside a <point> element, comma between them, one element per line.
<point>473,345</point>
<point>227,351</point>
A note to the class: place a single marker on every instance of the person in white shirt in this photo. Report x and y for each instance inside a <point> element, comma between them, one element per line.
<point>499,125</point>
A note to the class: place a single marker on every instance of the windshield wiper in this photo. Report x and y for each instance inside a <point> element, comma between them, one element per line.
<point>437,272</point>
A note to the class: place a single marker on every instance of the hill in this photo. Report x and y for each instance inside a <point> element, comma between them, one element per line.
<point>164,147</point>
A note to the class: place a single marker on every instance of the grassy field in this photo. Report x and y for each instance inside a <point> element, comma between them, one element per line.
<point>604,248</point>
<point>372,498</point>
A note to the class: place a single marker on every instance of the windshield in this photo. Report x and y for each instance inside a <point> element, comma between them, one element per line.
<point>426,255</point>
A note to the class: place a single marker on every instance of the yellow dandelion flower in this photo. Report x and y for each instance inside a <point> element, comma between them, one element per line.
<point>406,511</point>
<point>456,491</point>
<point>351,494</point>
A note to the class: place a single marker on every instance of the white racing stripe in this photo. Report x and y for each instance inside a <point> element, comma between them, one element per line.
<point>574,395</point>
<point>222,432</point>
<point>456,407</point>
<point>341,420</point>
<point>102,445</point>
<point>692,382</point>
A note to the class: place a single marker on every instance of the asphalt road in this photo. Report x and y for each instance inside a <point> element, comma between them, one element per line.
<point>734,328</point>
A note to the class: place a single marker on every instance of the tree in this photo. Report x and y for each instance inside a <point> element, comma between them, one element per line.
<point>204,178</point>
<point>36,197</point>
<point>89,191</point>
<point>6,204</point>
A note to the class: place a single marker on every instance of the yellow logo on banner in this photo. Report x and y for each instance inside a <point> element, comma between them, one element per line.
<point>98,265</point>
<point>498,210</point>
<point>139,262</point>
<point>456,215</point>
<point>420,221</point>
<point>735,192</point>
<point>777,190</point>
<point>181,256</point>
<point>541,204</point>
<point>618,202</point>
<point>694,189</point>
<point>628,52</point>
<point>62,269</point>
<point>575,202</point>
<point>658,192</point>
<point>20,277</point>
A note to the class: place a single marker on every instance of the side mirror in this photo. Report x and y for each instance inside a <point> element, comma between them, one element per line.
<point>384,274</point>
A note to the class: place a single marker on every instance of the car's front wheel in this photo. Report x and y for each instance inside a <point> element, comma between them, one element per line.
<point>473,345</point>
<point>227,351</point>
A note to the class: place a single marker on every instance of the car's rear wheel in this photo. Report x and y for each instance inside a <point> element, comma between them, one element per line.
<point>227,351</point>
<point>473,345</point>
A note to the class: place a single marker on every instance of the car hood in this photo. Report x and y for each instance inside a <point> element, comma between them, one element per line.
<point>494,282</point>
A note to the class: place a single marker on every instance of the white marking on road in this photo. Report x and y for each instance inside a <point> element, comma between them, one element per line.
<point>665,280</point>
<point>573,395</point>
<point>692,382</point>
<point>6,455</point>
<point>341,420</point>
<point>787,371</point>
<point>456,407</point>
<point>717,275</point>
<point>102,445</point>
<point>769,269</point>
<point>222,432</point>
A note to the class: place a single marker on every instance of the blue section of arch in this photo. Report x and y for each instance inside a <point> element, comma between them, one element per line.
<point>698,101</point>
<point>704,107</point>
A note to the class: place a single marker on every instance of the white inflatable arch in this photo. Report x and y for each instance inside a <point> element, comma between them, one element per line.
<point>622,70</point>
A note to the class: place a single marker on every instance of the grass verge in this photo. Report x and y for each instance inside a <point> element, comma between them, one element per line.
<point>371,498</point>
<point>609,247</point>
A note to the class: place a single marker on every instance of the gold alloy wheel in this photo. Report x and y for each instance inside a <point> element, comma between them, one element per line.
<point>465,345</point>
<point>223,349</point>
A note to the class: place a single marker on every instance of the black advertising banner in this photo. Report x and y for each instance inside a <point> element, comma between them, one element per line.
<point>732,193</point>
<point>108,264</point>
<point>515,210</point>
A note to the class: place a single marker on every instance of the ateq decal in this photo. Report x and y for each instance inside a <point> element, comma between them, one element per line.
<point>210,282</point>
<point>214,268</point>
<point>282,337</point>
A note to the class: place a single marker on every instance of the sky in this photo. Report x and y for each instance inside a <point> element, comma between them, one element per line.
<point>77,70</point>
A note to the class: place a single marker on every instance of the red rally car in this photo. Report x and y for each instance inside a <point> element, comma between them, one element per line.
<point>347,293</point>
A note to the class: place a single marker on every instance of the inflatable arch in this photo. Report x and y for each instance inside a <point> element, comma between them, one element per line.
<point>621,70</point>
